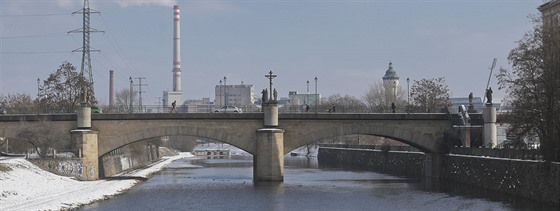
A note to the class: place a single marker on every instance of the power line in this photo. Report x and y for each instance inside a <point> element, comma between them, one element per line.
<point>34,36</point>
<point>33,15</point>
<point>34,52</point>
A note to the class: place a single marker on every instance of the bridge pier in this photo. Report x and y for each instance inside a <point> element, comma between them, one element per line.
<point>433,164</point>
<point>490,130</point>
<point>86,140</point>
<point>268,162</point>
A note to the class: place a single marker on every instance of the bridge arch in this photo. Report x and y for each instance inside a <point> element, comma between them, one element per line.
<point>243,141</point>
<point>428,139</point>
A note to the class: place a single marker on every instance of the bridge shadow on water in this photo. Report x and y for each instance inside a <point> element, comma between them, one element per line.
<point>126,178</point>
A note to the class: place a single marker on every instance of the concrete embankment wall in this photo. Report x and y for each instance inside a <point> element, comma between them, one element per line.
<point>404,163</point>
<point>112,164</point>
<point>70,167</point>
<point>530,179</point>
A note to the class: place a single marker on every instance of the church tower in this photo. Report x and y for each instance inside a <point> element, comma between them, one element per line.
<point>390,83</point>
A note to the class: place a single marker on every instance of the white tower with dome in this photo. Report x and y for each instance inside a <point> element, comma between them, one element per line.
<point>390,83</point>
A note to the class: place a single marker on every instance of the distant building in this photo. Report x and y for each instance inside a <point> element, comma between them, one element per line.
<point>303,99</point>
<point>390,84</point>
<point>170,96</point>
<point>551,13</point>
<point>551,33</point>
<point>234,95</point>
<point>203,105</point>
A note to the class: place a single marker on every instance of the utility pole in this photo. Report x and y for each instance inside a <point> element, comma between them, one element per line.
<point>316,95</point>
<point>131,94</point>
<point>307,95</point>
<point>87,89</point>
<point>140,91</point>
<point>159,103</point>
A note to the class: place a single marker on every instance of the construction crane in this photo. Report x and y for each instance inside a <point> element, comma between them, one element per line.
<point>489,76</point>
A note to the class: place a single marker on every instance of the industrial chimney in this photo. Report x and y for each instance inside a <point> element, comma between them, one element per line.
<point>111,90</point>
<point>176,49</point>
<point>177,94</point>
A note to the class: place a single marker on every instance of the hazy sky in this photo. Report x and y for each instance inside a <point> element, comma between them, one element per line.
<point>346,44</point>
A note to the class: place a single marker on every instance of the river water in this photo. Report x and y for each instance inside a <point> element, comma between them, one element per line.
<point>227,184</point>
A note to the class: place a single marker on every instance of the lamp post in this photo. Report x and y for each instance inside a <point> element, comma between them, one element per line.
<point>316,96</point>
<point>408,95</point>
<point>221,95</point>
<point>131,94</point>
<point>394,91</point>
<point>38,89</point>
<point>307,95</point>
<point>38,96</point>
<point>225,91</point>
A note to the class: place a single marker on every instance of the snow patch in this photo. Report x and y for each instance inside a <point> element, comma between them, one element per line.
<point>27,187</point>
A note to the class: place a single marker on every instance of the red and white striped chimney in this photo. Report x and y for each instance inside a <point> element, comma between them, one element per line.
<point>176,49</point>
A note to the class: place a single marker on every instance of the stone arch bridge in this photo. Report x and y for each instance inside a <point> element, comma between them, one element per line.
<point>245,131</point>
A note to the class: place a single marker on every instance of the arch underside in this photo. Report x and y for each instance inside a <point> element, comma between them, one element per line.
<point>428,141</point>
<point>239,138</point>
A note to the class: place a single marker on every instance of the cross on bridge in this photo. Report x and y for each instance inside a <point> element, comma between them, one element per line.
<point>270,76</point>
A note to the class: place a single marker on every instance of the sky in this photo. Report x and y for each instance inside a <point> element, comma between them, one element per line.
<point>347,45</point>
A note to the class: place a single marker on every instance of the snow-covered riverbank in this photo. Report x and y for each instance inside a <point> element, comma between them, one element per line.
<point>24,186</point>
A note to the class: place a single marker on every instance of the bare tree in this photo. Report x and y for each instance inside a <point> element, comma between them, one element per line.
<point>345,103</point>
<point>62,91</point>
<point>376,101</point>
<point>181,143</point>
<point>533,87</point>
<point>430,94</point>
<point>43,138</point>
<point>125,101</point>
<point>18,103</point>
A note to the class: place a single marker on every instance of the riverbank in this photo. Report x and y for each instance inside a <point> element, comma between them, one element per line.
<point>528,179</point>
<point>24,186</point>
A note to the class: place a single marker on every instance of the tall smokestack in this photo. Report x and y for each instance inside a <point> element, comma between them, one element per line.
<point>176,49</point>
<point>111,89</point>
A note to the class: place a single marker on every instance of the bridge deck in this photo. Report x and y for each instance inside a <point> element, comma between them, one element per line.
<point>281,116</point>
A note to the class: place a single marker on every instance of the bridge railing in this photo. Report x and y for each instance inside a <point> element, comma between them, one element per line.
<point>373,147</point>
<point>522,154</point>
<point>209,108</point>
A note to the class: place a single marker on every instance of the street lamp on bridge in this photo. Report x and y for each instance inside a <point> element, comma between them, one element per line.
<point>316,96</point>
<point>307,94</point>
<point>225,92</point>
<point>408,95</point>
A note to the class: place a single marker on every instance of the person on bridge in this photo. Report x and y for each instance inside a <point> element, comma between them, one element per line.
<point>173,106</point>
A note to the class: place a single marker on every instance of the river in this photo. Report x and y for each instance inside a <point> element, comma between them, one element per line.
<point>226,184</point>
